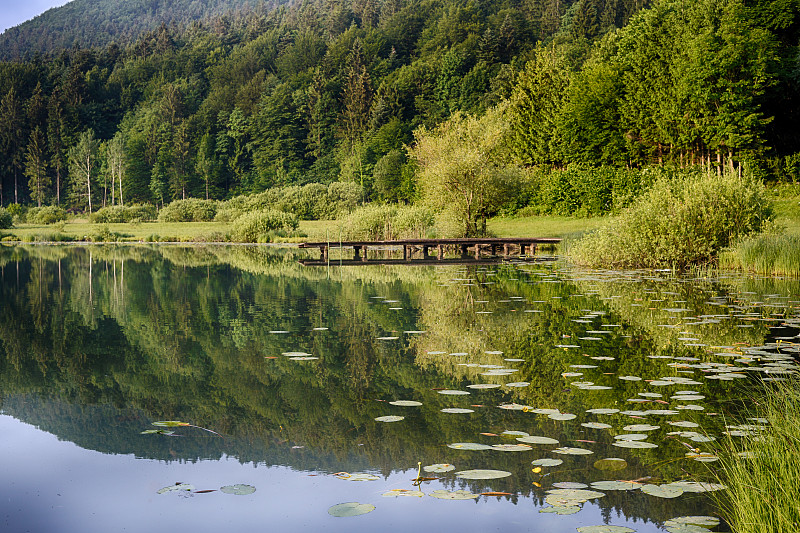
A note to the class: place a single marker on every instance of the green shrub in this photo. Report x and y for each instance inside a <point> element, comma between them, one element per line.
<point>680,222</point>
<point>17,211</point>
<point>257,225</point>
<point>117,214</point>
<point>387,222</point>
<point>6,219</point>
<point>45,215</point>
<point>189,210</point>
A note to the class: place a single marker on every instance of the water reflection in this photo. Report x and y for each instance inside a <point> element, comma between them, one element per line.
<point>99,342</point>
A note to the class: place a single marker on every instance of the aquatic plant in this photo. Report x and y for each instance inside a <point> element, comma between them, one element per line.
<point>766,253</point>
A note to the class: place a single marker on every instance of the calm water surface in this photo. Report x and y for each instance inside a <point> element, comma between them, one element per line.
<point>293,365</point>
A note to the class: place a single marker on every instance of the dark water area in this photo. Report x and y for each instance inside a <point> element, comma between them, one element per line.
<point>498,370</point>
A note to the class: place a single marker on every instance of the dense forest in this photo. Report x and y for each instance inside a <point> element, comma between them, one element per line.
<point>394,95</point>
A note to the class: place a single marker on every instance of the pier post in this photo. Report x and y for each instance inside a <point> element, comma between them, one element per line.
<point>323,251</point>
<point>506,250</point>
<point>521,249</point>
<point>477,251</point>
<point>406,253</point>
<point>356,253</point>
<point>440,252</point>
<point>463,250</point>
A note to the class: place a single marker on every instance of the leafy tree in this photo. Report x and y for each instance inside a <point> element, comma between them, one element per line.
<point>82,167</point>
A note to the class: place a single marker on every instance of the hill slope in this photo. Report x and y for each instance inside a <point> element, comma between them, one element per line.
<point>89,23</point>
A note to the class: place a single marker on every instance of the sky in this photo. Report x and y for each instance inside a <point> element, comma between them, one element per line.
<point>14,12</point>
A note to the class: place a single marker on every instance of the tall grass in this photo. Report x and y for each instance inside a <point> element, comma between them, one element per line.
<point>762,490</point>
<point>766,253</point>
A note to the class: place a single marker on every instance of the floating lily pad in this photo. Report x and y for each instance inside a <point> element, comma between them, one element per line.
<point>511,447</point>
<point>611,464</point>
<point>570,485</point>
<point>695,486</point>
<point>630,378</point>
<point>515,434</point>
<point>640,427</point>
<point>602,411</point>
<point>295,354</point>
<point>158,432</point>
<point>515,407</point>
<point>357,477</point>
<point>662,491</point>
<point>616,485</point>
<point>457,410</point>
<point>169,423</point>
<point>389,418</point>
<point>350,509</point>
<point>562,416</point>
<point>605,529</point>
<point>386,338</point>
<point>684,424</point>
<point>518,384</point>
<point>566,450</point>
<point>239,489</point>
<point>703,457</point>
<point>596,425</point>
<point>439,468</point>
<point>482,474</point>
<point>483,386</point>
<point>686,528</point>
<point>406,403</point>
<point>576,494</point>
<point>636,444</point>
<point>547,462</point>
<point>469,446</point>
<point>453,495</point>
<point>562,501</point>
<point>395,493</point>
<point>178,487</point>
<point>561,509</point>
<point>453,392</point>
<point>631,436</point>
<point>706,521</point>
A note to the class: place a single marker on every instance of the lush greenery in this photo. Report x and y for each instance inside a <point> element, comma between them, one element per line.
<point>257,226</point>
<point>681,221</point>
<point>557,107</point>
<point>768,253</point>
<point>761,486</point>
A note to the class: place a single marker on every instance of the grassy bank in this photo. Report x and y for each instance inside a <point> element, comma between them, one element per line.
<point>767,254</point>
<point>762,486</point>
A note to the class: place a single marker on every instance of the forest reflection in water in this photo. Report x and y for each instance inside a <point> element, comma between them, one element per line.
<point>293,365</point>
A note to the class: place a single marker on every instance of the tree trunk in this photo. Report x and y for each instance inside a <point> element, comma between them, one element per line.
<point>89,182</point>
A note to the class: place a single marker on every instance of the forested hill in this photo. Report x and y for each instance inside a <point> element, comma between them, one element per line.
<point>88,23</point>
<point>337,90</point>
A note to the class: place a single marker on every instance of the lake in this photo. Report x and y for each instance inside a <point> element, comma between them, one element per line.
<point>508,397</point>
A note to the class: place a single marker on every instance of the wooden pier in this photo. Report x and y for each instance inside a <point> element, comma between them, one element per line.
<point>476,248</point>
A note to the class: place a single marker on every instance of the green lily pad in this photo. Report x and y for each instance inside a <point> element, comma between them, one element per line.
<point>596,425</point>
<point>631,436</point>
<point>518,384</point>
<point>605,529</point>
<point>562,416</point>
<point>483,386</point>
<point>611,464</point>
<point>562,501</point>
<point>662,491</point>
<point>239,489</point>
<point>469,446</point>
<point>482,474</point>
<point>389,418</point>
<point>640,427</point>
<point>396,493</point>
<point>157,432</point>
<point>350,509</point>
<point>406,403</point>
<point>547,462</point>
<point>703,457</point>
<point>511,447</point>
<point>602,411</point>
<point>169,423</point>
<point>697,487</point>
<point>512,433</point>
<point>453,495</point>
<point>684,424</point>
<point>177,488</point>
<point>635,444</point>
<point>570,485</point>
<point>686,528</point>
<point>616,485</point>
<point>566,450</point>
<point>535,439</point>
<point>439,468</point>
<point>457,410</point>
<point>561,509</point>
<point>706,521</point>
<point>450,392</point>
<point>630,378</point>
<point>359,477</point>
<point>576,494</point>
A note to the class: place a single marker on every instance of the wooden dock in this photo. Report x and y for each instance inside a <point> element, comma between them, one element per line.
<point>476,248</point>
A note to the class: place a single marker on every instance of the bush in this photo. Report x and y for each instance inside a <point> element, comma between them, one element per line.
<point>387,222</point>
<point>680,222</point>
<point>6,219</point>
<point>257,225</point>
<point>189,210</point>
<point>45,215</point>
<point>118,214</point>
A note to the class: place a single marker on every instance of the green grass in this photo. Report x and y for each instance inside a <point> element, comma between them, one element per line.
<point>762,489</point>
<point>787,213</point>
<point>543,226</point>
<point>769,254</point>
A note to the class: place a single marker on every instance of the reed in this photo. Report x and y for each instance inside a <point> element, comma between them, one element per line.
<point>767,253</point>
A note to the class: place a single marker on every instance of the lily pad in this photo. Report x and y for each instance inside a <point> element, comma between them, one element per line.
<point>561,509</point>
<point>395,493</point>
<point>511,447</point>
<point>169,423</point>
<point>483,386</point>
<point>512,433</point>
<point>640,427</point>
<point>611,464</point>
<point>596,425</point>
<point>566,450</point>
<point>406,403</point>
<point>570,485</point>
<point>389,418</point>
<point>605,529</point>
<point>453,495</point>
<point>631,436</point>
<point>636,444</point>
<point>697,487</point>
<point>358,477</point>
<point>686,528</point>
<point>616,485</point>
<point>482,474</point>
<point>706,521</point>
<point>518,384</point>
<point>457,410</point>
<point>239,489</point>
<point>576,494</point>
<point>663,491</point>
<point>547,462</point>
<point>469,446</point>
<point>453,392</point>
<point>602,411</point>
<point>562,416</point>
<point>350,509</point>
<point>178,487</point>
<point>439,468</point>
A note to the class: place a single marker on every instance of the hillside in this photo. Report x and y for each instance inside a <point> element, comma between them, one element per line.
<point>89,23</point>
